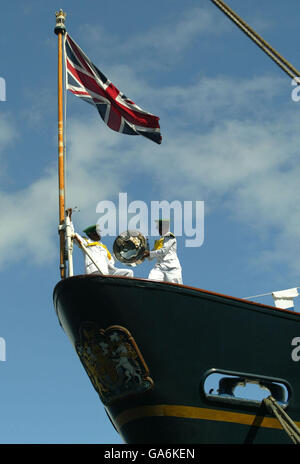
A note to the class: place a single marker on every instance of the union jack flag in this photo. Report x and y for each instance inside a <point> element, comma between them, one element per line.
<point>117,111</point>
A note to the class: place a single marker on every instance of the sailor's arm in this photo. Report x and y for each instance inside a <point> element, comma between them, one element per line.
<point>75,236</point>
<point>98,256</point>
<point>161,252</point>
<point>111,264</point>
<point>79,240</point>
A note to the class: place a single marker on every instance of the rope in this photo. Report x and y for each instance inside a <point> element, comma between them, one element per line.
<point>263,294</point>
<point>256,296</point>
<point>273,54</point>
<point>266,47</point>
<point>286,422</point>
<point>86,251</point>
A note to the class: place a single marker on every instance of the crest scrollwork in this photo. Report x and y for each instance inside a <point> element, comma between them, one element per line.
<point>112,361</point>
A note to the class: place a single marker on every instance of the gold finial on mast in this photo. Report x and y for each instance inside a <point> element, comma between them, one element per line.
<point>60,22</point>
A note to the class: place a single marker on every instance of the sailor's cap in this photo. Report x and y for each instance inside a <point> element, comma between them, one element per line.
<point>91,229</point>
<point>162,221</point>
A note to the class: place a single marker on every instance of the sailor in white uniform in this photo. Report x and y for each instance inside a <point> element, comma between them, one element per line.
<point>100,255</point>
<point>167,267</point>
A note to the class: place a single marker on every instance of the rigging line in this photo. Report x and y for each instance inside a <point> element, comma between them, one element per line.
<point>256,296</point>
<point>256,39</point>
<point>288,425</point>
<point>263,294</point>
<point>252,31</point>
<point>273,54</point>
<point>266,47</point>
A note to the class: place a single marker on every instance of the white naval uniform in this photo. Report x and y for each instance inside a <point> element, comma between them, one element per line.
<point>167,267</point>
<point>116,271</point>
<point>102,257</point>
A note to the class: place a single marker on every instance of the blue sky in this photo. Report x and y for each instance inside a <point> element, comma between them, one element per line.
<point>230,138</point>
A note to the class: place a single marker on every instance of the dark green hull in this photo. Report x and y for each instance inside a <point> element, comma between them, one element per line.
<point>148,347</point>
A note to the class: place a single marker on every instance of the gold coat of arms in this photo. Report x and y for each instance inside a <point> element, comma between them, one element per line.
<point>112,361</point>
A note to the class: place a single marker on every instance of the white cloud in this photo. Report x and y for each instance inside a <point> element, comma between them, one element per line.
<point>174,36</point>
<point>7,132</point>
<point>158,46</point>
<point>218,149</point>
<point>28,222</point>
<point>29,217</point>
<point>166,43</point>
<point>244,158</point>
<point>8,136</point>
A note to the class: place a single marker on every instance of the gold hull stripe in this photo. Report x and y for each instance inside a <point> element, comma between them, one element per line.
<point>189,412</point>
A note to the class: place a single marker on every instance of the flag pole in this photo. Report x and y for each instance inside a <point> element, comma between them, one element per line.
<point>60,31</point>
